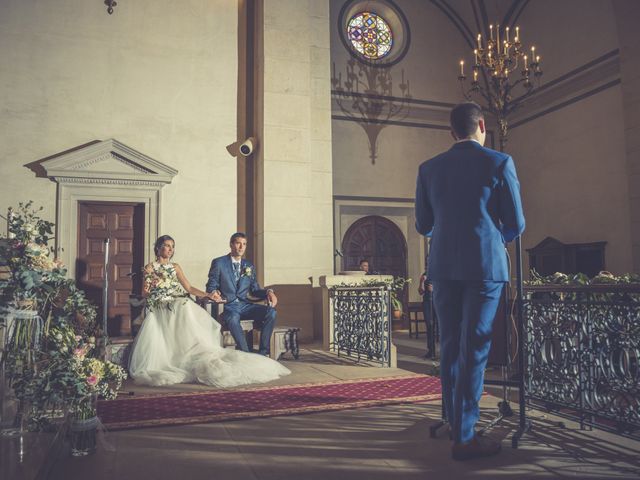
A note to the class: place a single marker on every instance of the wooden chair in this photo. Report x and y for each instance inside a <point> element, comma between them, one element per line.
<point>216,310</point>
<point>415,318</point>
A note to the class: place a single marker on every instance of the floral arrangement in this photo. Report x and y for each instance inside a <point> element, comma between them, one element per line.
<point>396,286</point>
<point>50,360</point>
<point>31,270</point>
<point>163,286</point>
<point>579,279</point>
<point>66,375</point>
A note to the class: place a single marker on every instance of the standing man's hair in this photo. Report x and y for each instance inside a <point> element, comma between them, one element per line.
<point>464,119</point>
<point>237,235</point>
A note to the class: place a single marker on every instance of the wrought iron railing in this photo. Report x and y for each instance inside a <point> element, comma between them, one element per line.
<point>582,353</point>
<point>361,323</point>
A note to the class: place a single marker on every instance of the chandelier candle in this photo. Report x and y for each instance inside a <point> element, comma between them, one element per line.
<point>496,61</point>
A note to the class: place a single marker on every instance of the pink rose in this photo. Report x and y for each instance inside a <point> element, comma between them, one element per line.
<point>92,380</point>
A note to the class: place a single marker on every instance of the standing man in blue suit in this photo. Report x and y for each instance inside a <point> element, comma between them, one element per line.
<point>232,280</point>
<point>468,202</point>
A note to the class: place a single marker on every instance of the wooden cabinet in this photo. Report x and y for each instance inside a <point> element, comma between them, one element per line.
<point>551,256</point>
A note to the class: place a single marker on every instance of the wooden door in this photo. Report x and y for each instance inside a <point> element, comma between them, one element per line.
<point>123,224</point>
<point>381,242</point>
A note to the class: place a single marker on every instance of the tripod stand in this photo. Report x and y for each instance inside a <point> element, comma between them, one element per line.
<point>524,424</point>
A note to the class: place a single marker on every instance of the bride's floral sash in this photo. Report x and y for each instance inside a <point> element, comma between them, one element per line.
<point>163,286</point>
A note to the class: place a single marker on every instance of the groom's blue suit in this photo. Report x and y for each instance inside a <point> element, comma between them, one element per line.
<point>238,306</point>
<point>468,202</point>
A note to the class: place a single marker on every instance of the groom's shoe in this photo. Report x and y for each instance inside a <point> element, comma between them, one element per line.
<point>477,447</point>
<point>263,353</point>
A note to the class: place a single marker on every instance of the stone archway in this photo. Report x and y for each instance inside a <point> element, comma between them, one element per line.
<point>378,240</point>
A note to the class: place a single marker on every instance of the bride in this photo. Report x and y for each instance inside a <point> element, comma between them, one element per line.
<point>179,342</point>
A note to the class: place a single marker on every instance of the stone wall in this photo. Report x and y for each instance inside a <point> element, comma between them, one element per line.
<point>160,79</point>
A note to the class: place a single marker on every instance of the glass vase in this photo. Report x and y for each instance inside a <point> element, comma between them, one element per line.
<point>83,428</point>
<point>20,336</point>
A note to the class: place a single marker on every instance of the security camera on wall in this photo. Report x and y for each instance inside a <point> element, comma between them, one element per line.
<point>248,146</point>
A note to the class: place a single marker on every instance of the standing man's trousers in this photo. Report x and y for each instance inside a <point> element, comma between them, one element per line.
<point>465,311</point>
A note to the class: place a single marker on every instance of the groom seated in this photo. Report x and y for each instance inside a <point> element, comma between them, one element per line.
<point>232,280</point>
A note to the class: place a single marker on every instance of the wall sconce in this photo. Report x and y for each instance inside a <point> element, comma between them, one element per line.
<point>110,4</point>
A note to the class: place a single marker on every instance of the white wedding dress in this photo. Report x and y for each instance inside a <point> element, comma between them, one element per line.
<point>179,342</point>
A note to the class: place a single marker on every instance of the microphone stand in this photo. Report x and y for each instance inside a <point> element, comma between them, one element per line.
<point>105,299</point>
<point>524,424</point>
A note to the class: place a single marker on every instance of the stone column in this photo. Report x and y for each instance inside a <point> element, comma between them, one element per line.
<point>294,228</point>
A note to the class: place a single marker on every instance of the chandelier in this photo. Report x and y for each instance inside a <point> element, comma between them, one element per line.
<point>495,62</point>
<point>366,96</point>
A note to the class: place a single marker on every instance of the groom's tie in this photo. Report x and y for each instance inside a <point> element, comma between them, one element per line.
<point>236,271</point>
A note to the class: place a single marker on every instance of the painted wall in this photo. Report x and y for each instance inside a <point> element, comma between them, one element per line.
<point>572,160</point>
<point>430,66</point>
<point>627,14</point>
<point>160,79</point>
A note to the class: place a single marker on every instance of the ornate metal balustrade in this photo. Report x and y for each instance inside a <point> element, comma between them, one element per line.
<point>361,323</point>
<point>582,354</point>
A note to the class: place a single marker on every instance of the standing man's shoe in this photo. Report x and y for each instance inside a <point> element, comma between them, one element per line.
<point>478,447</point>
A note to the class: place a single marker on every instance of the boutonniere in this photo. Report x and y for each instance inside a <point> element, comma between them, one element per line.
<point>247,271</point>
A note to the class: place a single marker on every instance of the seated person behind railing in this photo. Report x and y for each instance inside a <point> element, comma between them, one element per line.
<point>179,342</point>
<point>366,267</point>
<point>232,280</point>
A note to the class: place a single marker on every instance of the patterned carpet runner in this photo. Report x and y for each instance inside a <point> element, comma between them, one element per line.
<point>219,405</point>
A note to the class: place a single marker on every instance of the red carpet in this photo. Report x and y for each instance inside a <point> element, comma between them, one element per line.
<point>219,405</point>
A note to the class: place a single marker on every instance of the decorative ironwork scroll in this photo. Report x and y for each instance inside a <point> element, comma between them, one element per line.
<point>361,323</point>
<point>582,353</point>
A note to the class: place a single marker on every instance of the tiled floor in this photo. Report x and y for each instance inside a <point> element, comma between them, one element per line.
<point>373,443</point>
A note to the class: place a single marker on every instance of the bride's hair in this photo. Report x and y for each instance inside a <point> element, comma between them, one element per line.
<point>160,241</point>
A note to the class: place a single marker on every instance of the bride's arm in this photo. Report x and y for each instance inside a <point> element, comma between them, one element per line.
<point>186,285</point>
<point>146,280</point>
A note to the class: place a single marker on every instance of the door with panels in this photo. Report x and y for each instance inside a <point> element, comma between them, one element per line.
<point>123,225</point>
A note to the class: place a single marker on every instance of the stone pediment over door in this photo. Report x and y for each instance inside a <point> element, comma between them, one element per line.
<point>105,171</point>
<point>107,162</point>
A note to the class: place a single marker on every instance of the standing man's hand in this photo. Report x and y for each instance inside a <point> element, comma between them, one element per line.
<point>271,297</point>
<point>421,284</point>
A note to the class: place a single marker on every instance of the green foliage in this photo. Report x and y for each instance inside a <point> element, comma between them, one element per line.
<point>50,367</point>
<point>580,279</point>
<point>396,286</point>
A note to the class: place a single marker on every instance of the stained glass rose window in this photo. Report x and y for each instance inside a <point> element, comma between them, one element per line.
<point>370,35</point>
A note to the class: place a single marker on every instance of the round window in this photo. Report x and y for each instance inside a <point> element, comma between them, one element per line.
<point>376,32</point>
<point>370,35</point>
